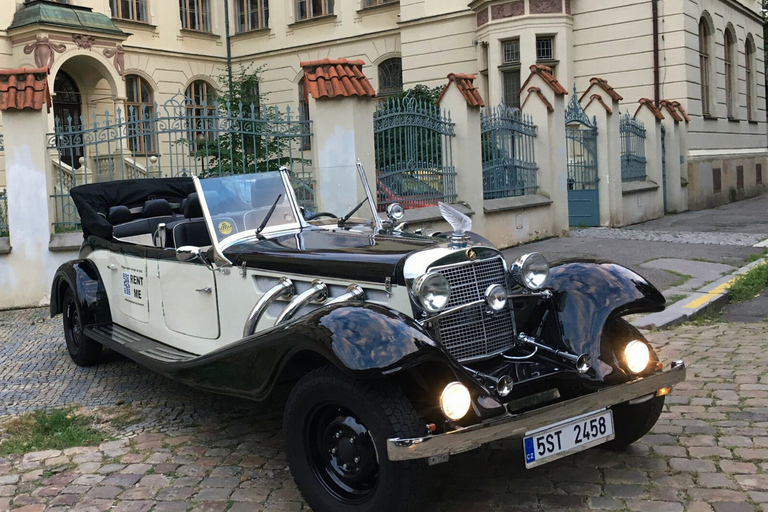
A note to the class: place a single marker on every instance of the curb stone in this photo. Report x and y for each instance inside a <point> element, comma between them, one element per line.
<point>696,303</point>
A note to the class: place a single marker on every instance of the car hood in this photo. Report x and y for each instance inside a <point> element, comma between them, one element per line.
<point>331,253</point>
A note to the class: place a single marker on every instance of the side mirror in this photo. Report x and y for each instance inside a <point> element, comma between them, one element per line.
<point>188,253</point>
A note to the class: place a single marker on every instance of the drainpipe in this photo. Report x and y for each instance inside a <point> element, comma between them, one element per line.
<point>656,85</point>
<point>229,48</point>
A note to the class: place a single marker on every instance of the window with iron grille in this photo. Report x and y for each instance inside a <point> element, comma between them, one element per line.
<point>510,73</point>
<point>201,113</point>
<point>545,48</point>
<point>139,115</point>
<point>374,3</point>
<point>391,76</point>
<point>728,59</point>
<point>195,14</point>
<point>307,9</point>
<point>704,66</point>
<point>251,15</point>
<point>511,52</point>
<point>135,10</point>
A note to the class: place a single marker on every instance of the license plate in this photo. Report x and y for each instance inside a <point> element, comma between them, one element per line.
<point>570,436</point>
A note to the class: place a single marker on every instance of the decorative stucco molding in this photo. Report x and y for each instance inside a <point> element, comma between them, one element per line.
<point>44,51</point>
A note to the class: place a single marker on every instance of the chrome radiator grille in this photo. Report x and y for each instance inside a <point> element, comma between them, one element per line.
<point>472,333</point>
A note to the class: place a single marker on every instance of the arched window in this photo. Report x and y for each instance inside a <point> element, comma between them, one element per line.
<point>749,56</point>
<point>391,76</point>
<point>704,63</point>
<point>729,47</point>
<point>201,112</point>
<point>139,113</point>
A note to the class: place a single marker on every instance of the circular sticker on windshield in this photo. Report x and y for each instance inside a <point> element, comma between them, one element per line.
<point>225,227</point>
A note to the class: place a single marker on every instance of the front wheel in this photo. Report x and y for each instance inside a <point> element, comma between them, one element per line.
<point>336,432</point>
<point>83,350</point>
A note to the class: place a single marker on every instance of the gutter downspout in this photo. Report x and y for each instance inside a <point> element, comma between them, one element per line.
<point>656,84</point>
<point>229,48</point>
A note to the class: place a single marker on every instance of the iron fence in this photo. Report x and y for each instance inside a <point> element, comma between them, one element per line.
<point>4,228</point>
<point>509,164</point>
<point>177,138</point>
<point>633,162</point>
<point>414,154</point>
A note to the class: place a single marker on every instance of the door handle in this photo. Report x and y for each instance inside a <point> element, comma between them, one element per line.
<point>112,266</point>
<point>207,289</point>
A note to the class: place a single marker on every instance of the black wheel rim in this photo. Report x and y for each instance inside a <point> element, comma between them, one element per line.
<point>74,328</point>
<point>342,453</point>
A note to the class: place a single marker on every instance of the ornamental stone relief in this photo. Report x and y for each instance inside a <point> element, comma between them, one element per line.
<point>117,54</point>
<point>482,17</point>
<point>83,41</point>
<point>508,10</point>
<point>44,51</point>
<point>546,6</point>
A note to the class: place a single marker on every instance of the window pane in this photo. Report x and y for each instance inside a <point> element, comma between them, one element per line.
<point>544,48</point>
<point>131,88</point>
<point>141,10</point>
<point>114,9</point>
<point>317,8</point>
<point>183,13</point>
<point>511,85</point>
<point>127,9</point>
<point>301,9</point>
<point>265,14</point>
<point>391,76</point>
<point>206,16</point>
<point>511,51</point>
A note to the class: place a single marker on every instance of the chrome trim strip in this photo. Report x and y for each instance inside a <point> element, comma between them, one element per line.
<point>452,310</point>
<point>283,289</point>
<point>354,293</point>
<point>516,425</point>
<point>318,292</point>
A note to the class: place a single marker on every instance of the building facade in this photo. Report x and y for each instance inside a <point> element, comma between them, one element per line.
<point>110,54</point>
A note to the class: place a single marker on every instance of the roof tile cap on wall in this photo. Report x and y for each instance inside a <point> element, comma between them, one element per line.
<point>466,86</point>
<point>645,102</point>
<point>602,83</point>
<point>24,88</point>
<point>599,99</point>
<point>545,72</point>
<point>682,111</point>
<point>669,106</point>
<point>336,78</point>
<point>537,91</point>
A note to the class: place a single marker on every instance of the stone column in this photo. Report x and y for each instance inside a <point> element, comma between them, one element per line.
<point>676,200</point>
<point>605,110</point>
<point>651,202</point>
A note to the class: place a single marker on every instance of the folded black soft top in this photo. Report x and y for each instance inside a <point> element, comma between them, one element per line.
<point>93,201</point>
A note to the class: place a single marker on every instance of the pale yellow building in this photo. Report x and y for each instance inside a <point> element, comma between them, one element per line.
<point>104,54</point>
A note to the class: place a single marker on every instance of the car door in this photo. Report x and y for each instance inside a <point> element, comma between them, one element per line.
<point>188,291</point>
<point>129,286</point>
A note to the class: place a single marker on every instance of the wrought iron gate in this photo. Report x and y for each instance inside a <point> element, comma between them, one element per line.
<point>581,142</point>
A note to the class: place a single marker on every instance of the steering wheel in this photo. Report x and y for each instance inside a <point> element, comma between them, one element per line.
<point>317,215</point>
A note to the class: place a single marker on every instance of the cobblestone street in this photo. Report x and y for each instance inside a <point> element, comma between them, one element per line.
<point>197,451</point>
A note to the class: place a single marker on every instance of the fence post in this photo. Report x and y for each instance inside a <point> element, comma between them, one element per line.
<point>463,101</point>
<point>543,97</point>
<point>648,204</point>
<point>677,200</point>
<point>603,103</point>
<point>342,131</point>
<point>26,272</point>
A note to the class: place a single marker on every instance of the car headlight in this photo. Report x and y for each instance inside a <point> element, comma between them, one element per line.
<point>531,270</point>
<point>496,297</point>
<point>637,355</point>
<point>455,401</point>
<point>432,292</point>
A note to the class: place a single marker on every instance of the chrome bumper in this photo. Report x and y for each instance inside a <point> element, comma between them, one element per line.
<point>516,425</point>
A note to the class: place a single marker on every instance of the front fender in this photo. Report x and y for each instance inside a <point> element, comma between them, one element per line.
<point>82,277</point>
<point>587,295</point>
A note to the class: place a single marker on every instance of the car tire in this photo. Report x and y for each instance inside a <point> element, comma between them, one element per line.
<point>336,432</point>
<point>83,350</point>
<point>631,422</point>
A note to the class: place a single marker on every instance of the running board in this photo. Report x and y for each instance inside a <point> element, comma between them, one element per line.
<point>122,339</point>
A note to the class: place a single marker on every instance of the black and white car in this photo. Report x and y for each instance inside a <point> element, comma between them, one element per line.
<point>401,349</point>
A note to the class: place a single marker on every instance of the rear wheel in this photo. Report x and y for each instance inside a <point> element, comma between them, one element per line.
<point>336,444</point>
<point>83,350</point>
<point>631,422</point>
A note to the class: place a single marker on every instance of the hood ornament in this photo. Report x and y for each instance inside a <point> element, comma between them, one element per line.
<point>460,223</point>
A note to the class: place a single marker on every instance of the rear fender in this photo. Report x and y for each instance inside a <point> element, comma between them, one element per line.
<point>587,295</point>
<point>84,279</point>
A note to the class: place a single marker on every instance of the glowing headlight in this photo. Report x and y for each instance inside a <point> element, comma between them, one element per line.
<point>455,401</point>
<point>496,297</point>
<point>531,270</point>
<point>432,291</point>
<point>637,356</point>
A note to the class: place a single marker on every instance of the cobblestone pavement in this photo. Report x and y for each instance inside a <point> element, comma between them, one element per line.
<point>678,237</point>
<point>196,451</point>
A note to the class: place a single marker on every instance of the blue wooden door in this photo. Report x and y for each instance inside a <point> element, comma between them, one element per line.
<point>581,141</point>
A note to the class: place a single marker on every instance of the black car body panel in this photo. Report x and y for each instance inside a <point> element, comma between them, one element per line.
<point>84,279</point>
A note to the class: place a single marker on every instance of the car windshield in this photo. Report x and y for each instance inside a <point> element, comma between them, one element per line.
<point>253,203</point>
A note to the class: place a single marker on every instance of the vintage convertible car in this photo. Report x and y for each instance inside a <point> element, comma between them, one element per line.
<point>401,349</point>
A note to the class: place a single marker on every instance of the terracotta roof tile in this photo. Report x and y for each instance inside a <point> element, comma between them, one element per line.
<point>466,86</point>
<point>540,95</point>
<point>24,88</point>
<point>682,111</point>
<point>599,99</point>
<point>545,72</point>
<point>645,102</point>
<point>334,78</point>
<point>602,83</point>
<point>671,110</point>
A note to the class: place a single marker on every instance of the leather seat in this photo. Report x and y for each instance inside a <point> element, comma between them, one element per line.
<point>191,230</point>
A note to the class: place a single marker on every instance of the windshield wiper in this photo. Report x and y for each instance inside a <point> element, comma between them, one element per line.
<point>268,216</point>
<point>345,218</point>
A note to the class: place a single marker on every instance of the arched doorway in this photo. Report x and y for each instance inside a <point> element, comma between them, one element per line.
<point>67,108</point>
